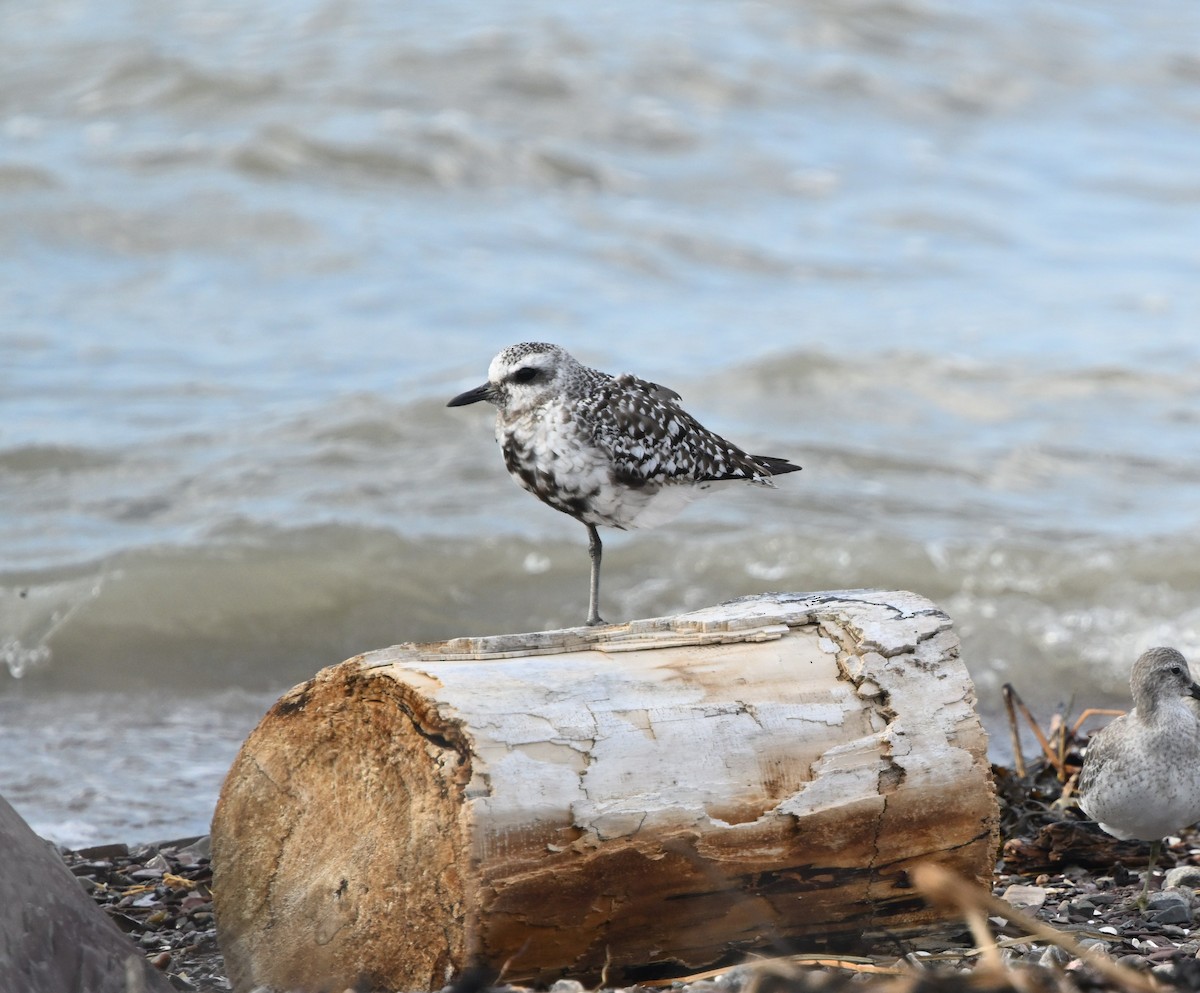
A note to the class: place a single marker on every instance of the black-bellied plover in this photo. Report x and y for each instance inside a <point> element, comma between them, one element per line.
<point>608,450</point>
<point>1141,773</point>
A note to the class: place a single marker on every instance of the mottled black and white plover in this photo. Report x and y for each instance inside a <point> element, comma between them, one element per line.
<point>1141,774</point>
<point>608,450</point>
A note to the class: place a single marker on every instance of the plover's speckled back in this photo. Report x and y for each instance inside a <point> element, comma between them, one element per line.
<point>608,450</point>
<point>1141,774</point>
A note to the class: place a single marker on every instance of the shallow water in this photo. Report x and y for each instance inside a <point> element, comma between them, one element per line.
<point>943,256</point>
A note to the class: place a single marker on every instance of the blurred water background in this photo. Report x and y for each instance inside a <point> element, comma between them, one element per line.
<point>946,256</point>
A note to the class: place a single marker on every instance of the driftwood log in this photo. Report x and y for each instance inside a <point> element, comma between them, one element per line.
<point>661,794</point>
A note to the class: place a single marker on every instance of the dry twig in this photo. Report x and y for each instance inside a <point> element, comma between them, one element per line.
<point>942,887</point>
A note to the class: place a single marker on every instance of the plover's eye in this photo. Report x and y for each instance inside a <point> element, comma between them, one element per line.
<point>1175,669</point>
<point>526,374</point>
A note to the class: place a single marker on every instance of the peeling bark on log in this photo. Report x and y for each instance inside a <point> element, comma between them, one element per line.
<point>665,793</point>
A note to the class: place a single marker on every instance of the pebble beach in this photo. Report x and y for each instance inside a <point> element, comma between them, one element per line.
<point>1052,865</point>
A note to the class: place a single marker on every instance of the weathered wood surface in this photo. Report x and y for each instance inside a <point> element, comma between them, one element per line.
<point>53,939</point>
<point>663,793</point>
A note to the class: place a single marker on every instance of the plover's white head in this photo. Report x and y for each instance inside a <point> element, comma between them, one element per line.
<point>523,377</point>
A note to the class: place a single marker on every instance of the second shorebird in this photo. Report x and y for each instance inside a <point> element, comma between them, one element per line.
<point>1141,773</point>
<point>608,450</point>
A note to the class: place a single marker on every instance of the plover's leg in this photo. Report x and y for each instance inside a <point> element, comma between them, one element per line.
<point>594,549</point>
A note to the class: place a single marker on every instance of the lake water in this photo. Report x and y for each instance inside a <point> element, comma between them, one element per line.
<point>945,256</point>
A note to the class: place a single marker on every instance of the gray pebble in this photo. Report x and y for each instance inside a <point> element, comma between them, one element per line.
<point>197,850</point>
<point>1190,895</point>
<point>1183,875</point>
<point>145,875</point>
<point>735,978</point>
<point>1054,958</point>
<point>1169,907</point>
<point>159,863</point>
<point>1167,898</point>
<point>700,986</point>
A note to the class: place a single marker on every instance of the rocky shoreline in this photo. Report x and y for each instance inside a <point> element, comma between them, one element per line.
<point>1056,867</point>
<point>160,896</point>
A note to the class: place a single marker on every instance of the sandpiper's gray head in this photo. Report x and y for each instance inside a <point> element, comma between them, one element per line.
<point>523,376</point>
<point>1158,674</point>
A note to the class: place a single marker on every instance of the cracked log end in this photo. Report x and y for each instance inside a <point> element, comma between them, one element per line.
<point>661,794</point>
<point>338,841</point>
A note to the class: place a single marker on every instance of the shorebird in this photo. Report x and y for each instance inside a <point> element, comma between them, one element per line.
<point>616,451</point>
<point>1141,773</point>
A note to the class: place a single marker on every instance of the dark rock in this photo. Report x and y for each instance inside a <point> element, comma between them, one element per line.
<point>1173,915</point>
<point>97,870</point>
<point>1163,954</point>
<point>167,909</point>
<point>1054,957</point>
<point>125,922</point>
<point>198,851</point>
<point>103,852</point>
<point>1173,912</point>
<point>52,936</point>
<point>157,864</point>
<point>146,875</point>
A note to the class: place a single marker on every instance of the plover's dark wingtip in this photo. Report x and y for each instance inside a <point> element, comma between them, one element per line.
<point>776,466</point>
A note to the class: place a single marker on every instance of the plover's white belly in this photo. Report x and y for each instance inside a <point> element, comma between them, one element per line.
<point>646,506</point>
